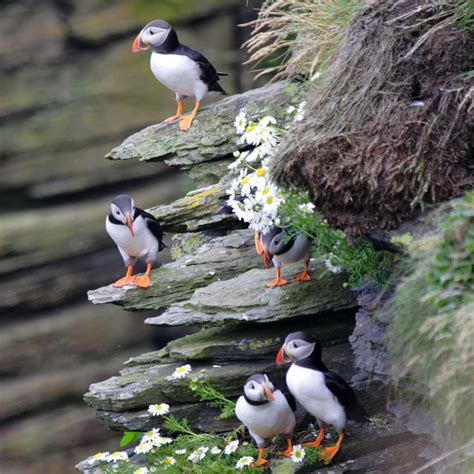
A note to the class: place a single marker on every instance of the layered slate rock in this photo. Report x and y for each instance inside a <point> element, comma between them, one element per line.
<point>219,259</point>
<point>245,298</point>
<point>212,136</point>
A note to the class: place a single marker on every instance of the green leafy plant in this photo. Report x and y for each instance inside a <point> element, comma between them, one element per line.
<point>359,259</point>
<point>204,391</point>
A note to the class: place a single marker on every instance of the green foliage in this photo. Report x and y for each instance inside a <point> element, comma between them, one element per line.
<point>433,328</point>
<point>130,437</point>
<point>312,455</point>
<point>204,391</point>
<point>359,260</point>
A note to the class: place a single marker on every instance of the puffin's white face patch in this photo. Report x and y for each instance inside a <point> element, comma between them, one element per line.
<point>155,36</point>
<point>117,213</point>
<point>299,349</point>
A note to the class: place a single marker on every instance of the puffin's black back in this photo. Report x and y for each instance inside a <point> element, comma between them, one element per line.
<point>209,74</point>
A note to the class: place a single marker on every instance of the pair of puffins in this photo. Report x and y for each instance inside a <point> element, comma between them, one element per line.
<point>267,412</point>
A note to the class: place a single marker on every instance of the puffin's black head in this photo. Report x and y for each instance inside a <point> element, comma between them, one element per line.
<point>259,388</point>
<point>298,345</point>
<point>278,242</point>
<point>123,209</point>
<point>153,34</point>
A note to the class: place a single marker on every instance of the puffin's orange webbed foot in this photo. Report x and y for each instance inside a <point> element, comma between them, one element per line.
<point>173,117</point>
<point>178,115</point>
<point>124,282</point>
<point>143,281</point>
<point>328,453</point>
<point>186,121</point>
<point>278,281</point>
<point>318,440</point>
<point>289,450</point>
<point>128,279</point>
<point>260,460</point>
<point>303,276</point>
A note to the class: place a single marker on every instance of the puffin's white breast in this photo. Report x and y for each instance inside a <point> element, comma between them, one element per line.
<point>268,420</point>
<point>309,388</point>
<point>139,245</point>
<point>179,73</point>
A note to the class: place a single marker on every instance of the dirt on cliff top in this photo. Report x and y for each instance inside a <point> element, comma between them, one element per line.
<point>390,126</point>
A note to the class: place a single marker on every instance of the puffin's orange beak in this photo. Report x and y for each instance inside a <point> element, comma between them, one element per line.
<point>136,48</point>
<point>268,391</point>
<point>130,224</point>
<point>280,358</point>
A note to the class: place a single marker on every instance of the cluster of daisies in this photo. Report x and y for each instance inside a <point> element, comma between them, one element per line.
<point>154,439</point>
<point>253,197</point>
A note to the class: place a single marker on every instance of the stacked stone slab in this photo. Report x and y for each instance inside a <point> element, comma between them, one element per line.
<point>216,283</point>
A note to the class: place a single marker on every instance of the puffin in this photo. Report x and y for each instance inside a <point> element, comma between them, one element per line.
<point>324,394</point>
<point>137,234</point>
<point>266,413</point>
<point>286,249</point>
<point>262,243</point>
<point>182,69</point>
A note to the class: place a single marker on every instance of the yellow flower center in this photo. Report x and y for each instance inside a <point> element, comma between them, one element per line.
<point>244,180</point>
<point>269,199</point>
<point>260,172</point>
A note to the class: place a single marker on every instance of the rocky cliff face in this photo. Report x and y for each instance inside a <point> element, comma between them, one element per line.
<point>216,285</point>
<point>70,90</point>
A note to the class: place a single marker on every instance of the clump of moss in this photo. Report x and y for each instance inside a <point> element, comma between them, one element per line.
<point>387,128</point>
<point>432,330</point>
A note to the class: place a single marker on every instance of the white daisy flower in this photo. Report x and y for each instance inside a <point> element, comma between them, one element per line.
<point>98,457</point>
<point>180,451</point>
<point>240,122</point>
<point>169,461</point>
<point>307,207</point>
<point>117,456</point>
<point>181,372</point>
<point>231,447</point>
<point>215,450</point>
<point>198,454</point>
<point>144,447</point>
<point>244,462</point>
<point>151,435</point>
<point>159,409</point>
<point>330,266</point>
<point>298,453</point>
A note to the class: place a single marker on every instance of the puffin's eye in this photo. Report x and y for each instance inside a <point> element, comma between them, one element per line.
<point>295,345</point>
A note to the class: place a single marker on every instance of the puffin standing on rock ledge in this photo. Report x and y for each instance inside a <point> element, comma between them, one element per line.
<point>287,250</point>
<point>324,394</point>
<point>137,234</point>
<point>266,413</point>
<point>178,67</point>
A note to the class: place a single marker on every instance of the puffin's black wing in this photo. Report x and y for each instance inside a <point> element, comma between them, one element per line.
<point>345,395</point>
<point>291,400</point>
<point>154,226</point>
<point>209,74</point>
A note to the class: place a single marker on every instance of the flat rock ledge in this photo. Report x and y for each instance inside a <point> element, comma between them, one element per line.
<point>246,299</point>
<point>212,135</point>
<point>220,259</point>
